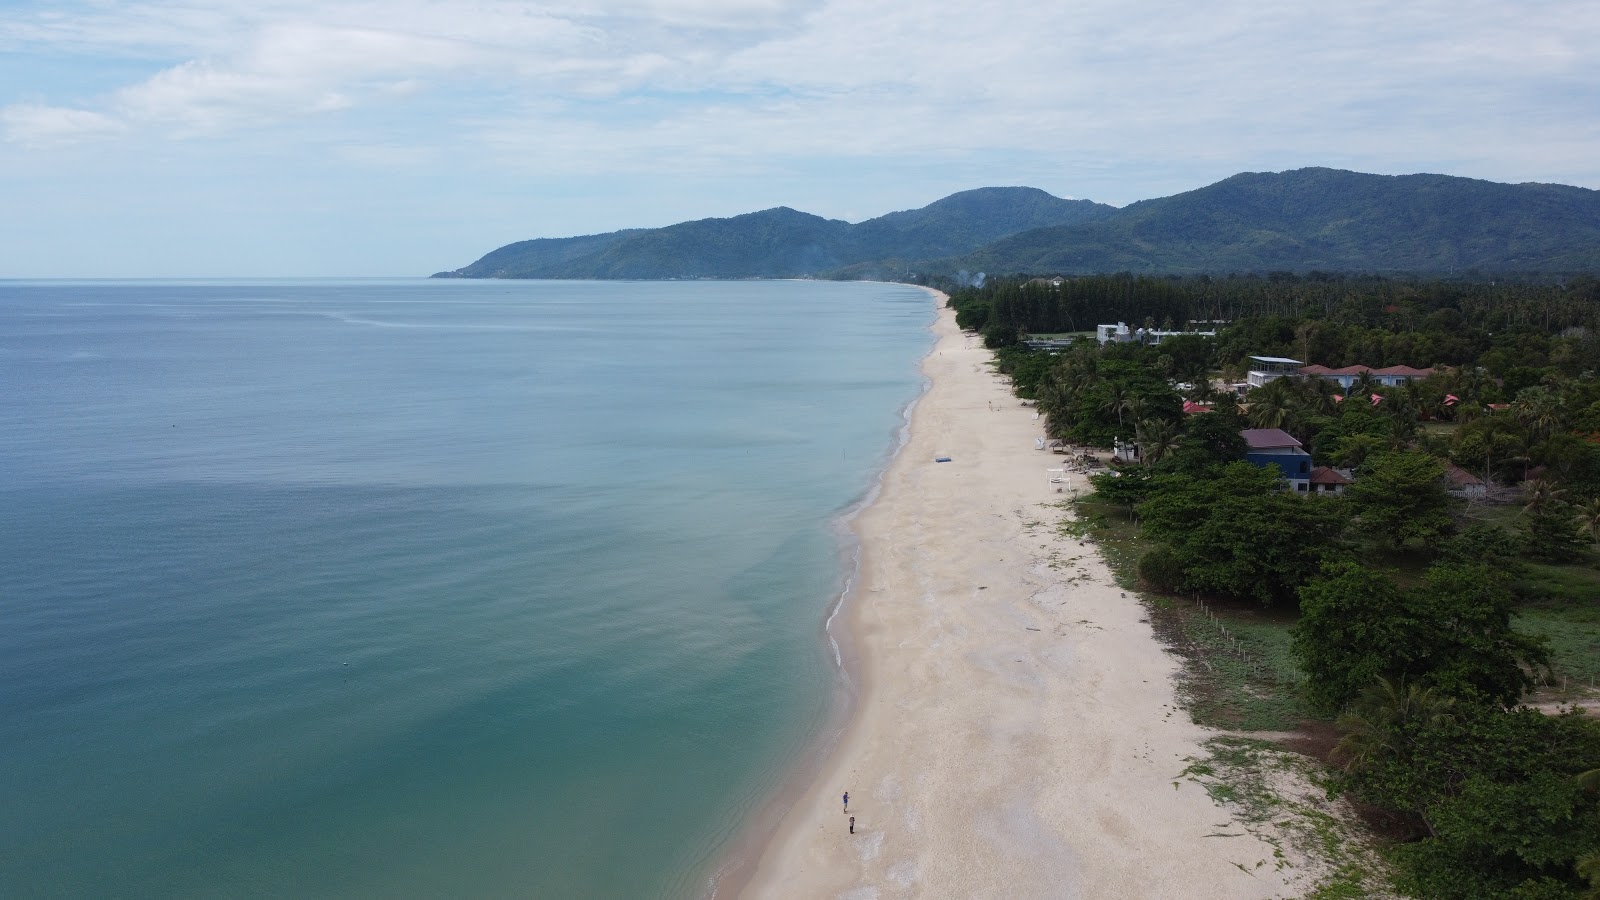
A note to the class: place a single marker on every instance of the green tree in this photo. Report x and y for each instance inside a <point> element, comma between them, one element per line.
<point>1381,714</point>
<point>1453,633</point>
<point>1157,439</point>
<point>1587,520</point>
<point>1209,440</point>
<point>1238,533</point>
<point>1492,794</point>
<point>1125,488</point>
<point>1401,496</point>
<point>1353,630</point>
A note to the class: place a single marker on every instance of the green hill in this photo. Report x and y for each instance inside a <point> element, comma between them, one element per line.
<point>1324,219</point>
<point>784,243</point>
<point>1300,220</point>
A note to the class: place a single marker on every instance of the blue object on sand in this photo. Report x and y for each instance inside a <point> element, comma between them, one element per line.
<point>941,459</point>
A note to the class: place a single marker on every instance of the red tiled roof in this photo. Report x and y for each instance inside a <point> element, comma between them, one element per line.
<point>1268,438</point>
<point>1407,371</point>
<point>1326,475</point>
<point>1461,476</point>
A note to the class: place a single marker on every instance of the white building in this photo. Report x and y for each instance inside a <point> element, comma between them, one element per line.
<point>1270,368</point>
<point>1121,334</point>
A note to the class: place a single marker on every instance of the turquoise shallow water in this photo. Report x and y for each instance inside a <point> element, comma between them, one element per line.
<point>421,588</point>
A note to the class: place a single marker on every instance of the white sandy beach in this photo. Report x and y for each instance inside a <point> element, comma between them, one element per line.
<point>1016,732</point>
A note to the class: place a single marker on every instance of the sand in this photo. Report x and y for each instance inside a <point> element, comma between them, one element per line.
<point>1016,731</point>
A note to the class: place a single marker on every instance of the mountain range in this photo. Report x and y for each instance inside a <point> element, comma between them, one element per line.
<point>1300,220</point>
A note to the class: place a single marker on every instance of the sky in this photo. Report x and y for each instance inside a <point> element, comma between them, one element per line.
<point>281,138</point>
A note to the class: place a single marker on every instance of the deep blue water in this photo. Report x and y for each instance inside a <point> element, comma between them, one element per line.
<point>421,588</point>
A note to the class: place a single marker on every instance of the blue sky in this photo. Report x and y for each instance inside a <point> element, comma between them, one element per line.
<point>403,137</point>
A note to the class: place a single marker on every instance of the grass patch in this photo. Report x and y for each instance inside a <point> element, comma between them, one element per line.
<point>1238,673</point>
<point>1567,614</point>
<point>1279,797</point>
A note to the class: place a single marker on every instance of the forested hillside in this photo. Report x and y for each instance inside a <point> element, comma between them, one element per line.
<point>1327,219</point>
<point>1298,221</point>
<point>786,243</point>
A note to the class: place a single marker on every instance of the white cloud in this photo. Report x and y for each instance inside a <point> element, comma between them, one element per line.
<point>33,125</point>
<point>720,87</point>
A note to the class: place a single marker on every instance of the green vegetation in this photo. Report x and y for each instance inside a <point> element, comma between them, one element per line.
<point>785,243</point>
<point>1303,221</point>
<point>1324,219</point>
<point>1414,622</point>
<point>1246,776</point>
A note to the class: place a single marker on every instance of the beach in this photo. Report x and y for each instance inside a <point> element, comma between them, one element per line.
<point>1015,730</point>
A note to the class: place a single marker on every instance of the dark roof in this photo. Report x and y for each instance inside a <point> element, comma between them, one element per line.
<point>1268,438</point>
<point>1458,475</point>
<point>1327,475</point>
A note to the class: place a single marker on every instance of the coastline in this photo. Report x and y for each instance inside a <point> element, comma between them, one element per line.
<point>1011,726</point>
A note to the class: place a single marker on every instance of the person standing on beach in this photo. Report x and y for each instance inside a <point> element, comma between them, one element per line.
<point>846,801</point>
<point>852,824</point>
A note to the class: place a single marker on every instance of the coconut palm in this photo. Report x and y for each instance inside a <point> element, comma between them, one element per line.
<point>1540,493</point>
<point>1157,439</point>
<point>1375,721</point>
<point>1588,868</point>
<point>1538,410</point>
<point>1317,396</point>
<point>1117,398</point>
<point>1271,405</point>
<point>1588,522</point>
<point>1589,781</point>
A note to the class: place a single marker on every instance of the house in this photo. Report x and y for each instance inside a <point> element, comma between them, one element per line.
<point>1121,334</point>
<point>1464,484</point>
<point>1117,333</point>
<point>1275,447</point>
<point>1270,368</point>
<point>1390,376</point>
<point>1126,451</point>
<point>1326,480</point>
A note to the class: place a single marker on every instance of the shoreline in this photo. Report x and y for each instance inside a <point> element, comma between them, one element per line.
<point>1013,727</point>
<point>732,876</point>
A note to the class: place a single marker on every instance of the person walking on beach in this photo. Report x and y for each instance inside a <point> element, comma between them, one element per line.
<point>846,801</point>
<point>852,824</point>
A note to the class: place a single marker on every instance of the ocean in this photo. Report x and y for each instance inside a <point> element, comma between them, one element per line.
<point>413,588</point>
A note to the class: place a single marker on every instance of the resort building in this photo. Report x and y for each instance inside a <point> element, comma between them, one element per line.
<point>1270,368</point>
<point>1121,334</point>
<point>1391,376</point>
<point>1275,447</point>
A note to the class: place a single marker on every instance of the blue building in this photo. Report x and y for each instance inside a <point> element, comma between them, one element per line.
<point>1275,447</point>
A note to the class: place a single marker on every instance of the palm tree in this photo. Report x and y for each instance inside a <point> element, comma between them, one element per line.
<point>1588,868</point>
<point>1588,522</point>
<point>1270,411</point>
<point>1157,439</point>
<point>1117,398</point>
<point>1538,409</point>
<point>1589,781</point>
<point>1540,493</point>
<point>1271,404</point>
<point>1373,724</point>
<point>1317,395</point>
